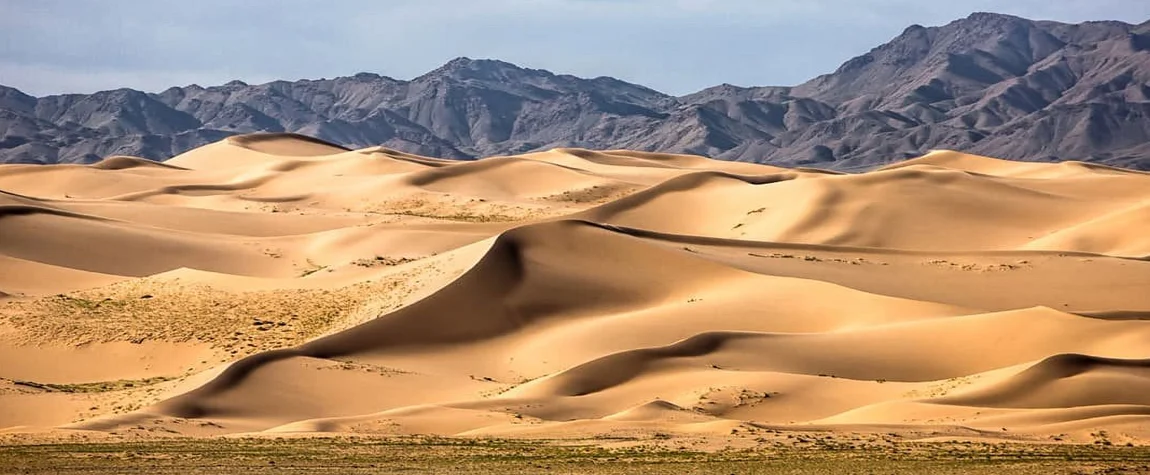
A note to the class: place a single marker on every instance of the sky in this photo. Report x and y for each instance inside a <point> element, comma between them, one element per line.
<point>675,46</point>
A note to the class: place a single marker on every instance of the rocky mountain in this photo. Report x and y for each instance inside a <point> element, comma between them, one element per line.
<point>989,83</point>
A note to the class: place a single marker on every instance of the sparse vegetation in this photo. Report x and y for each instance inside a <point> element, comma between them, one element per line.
<point>809,258</point>
<point>593,194</point>
<point>311,268</point>
<point>365,367</point>
<point>382,261</point>
<point>239,323</point>
<point>974,266</point>
<point>465,216</point>
<point>802,453</point>
<point>86,304</point>
<point>95,387</point>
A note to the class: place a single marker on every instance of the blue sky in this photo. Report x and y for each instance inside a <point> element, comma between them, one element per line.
<point>676,46</point>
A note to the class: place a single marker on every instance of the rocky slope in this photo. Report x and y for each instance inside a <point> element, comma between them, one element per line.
<point>989,83</point>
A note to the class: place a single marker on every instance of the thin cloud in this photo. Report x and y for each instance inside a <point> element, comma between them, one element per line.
<point>678,46</point>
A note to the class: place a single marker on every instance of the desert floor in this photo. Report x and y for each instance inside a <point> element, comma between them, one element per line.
<point>420,454</point>
<point>273,285</point>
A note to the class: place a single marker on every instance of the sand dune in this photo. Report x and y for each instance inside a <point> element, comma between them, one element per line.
<point>274,283</point>
<point>914,207</point>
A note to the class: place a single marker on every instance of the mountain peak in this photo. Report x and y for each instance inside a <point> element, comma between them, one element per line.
<point>15,99</point>
<point>459,62</point>
<point>988,22</point>
<point>463,68</point>
<point>983,16</point>
<point>482,64</point>
<point>912,29</point>
<point>952,86</point>
<point>484,70</point>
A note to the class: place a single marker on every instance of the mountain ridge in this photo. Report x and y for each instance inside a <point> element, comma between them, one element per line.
<point>989,83</point>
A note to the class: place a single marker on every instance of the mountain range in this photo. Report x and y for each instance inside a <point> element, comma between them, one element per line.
<point>990,84</point>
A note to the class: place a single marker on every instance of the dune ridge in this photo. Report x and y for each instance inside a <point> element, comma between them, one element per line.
<point>274,283</point>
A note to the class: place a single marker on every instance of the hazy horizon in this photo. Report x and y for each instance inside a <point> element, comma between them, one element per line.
<point>54,46</point>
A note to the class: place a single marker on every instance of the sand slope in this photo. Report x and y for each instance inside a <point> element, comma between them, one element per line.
<point>275,283</point>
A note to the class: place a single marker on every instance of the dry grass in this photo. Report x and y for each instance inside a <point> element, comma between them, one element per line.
<point>443,207</point>
<point>238,323</point>
<point>487,456</point>
<point>382,261</point>
<point>93,387</point>
<point>592,195</point>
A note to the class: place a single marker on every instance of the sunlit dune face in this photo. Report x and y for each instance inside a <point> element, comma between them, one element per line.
<point>277,283</point>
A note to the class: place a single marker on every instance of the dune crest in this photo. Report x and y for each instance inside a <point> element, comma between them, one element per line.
<point>276,283</point>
